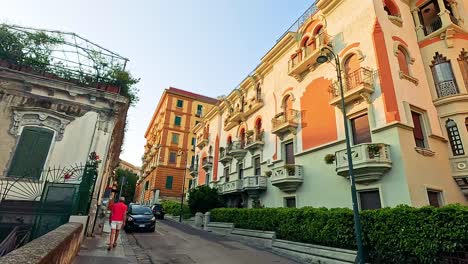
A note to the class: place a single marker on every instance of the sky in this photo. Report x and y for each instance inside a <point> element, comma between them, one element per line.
<point>204,46</point>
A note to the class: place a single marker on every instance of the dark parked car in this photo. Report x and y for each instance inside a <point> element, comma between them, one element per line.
<point>140,217</point>
<point>158,211</point>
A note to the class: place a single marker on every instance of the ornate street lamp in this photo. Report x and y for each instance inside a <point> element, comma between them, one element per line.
<point>357,222</point>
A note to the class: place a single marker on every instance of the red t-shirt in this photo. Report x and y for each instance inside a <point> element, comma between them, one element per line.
<point>118,211</point>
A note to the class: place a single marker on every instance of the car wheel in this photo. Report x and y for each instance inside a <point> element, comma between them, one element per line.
<point>152,229</point>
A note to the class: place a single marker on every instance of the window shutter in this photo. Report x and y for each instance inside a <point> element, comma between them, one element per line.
<point>169,182</point>
<point>31,152</point>
<point>418,133</point>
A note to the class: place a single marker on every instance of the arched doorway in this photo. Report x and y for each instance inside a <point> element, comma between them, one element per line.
<point>287,106</point>
<point>351,66</point>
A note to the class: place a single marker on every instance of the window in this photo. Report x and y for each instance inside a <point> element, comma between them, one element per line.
<point>199,110</point>
<point>418,130</point>
<point>403,60</point>
<point>443,76</point>
<point>169,180</point>
<point>177,120</point>
<point>175,138</point>
<point>361,130</point>
<point>146,185</point>
<point>31,152</point>
<point>192,163</point>
<point>391,8</point>
<point>172,157</point>
<point>257,167</point>
<point>428,15</point>
<point>463,63</point>
<point>240,170</point>
<point>190,184</point>
<point>196,122</point>
<point>369,200</point>
<point>352,75</point>
<point>258,94</point>
<point>289,151</point>
<point>290,202</point>
<point>226,174</point>
<point>454,138</point>
<point>193,141</point>
<point>180,103</point>
<point>435,198</point>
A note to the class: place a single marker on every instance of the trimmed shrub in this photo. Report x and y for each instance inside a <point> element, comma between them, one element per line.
<point>204,198</point>
<point>391,235</point>
<point>173,208</point>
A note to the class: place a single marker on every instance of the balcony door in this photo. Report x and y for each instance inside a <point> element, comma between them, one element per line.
<point>287,106</point>
<point>361,130</point>
<point>351,65</point>
<point>289,151</point>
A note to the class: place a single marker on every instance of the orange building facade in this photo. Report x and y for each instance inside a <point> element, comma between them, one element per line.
<point>278,138</point>
<point>170,145</point>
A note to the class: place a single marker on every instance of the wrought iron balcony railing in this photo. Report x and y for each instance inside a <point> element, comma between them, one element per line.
<point>446,88</point>
<point>355,84</point>
<point>285,121</point>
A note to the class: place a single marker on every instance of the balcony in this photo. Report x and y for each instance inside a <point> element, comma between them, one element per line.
<point>193,170</point>
<point>240,114</point>
<point>207,163</point>
<point>237,150</point>
<point>287,177</point>
<point>370,162</point>
<point>231,187</point>
<point>285,122</point>
<point>224,156</point>
<point>356,85</point>
<point>306,57</point>
<point>202,141</point>
<point>254,184</point>
<point>255,141</point>
<point>253,105</point>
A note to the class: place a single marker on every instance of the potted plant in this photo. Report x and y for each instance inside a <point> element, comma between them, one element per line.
<point>373,150</point>
<point>268,173</point>
<point>329,158</point>
<point>290,168</point>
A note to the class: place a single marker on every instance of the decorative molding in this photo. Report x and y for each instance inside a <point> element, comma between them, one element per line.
<point>408,77</point>
<point>424,151</point>
<point>396,20</point>
<point>33,116</point>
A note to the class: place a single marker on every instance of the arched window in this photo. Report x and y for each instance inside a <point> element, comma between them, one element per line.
<point>242,137</point>
<point>454,138</point>
<point>229,140</point>
<point>210,150</point>
<point>444,79</point>
<point>351,65</point>
<point>287,105</point>
<point>391,8</point>
<point>403,60</point>
<point>258,129</point>
<point>319,37</point>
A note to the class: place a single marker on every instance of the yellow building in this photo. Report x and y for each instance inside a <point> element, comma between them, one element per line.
<point>170,144</point>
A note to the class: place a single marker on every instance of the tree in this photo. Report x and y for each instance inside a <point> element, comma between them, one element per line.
<point>128,189</point>
<point>204,198</point>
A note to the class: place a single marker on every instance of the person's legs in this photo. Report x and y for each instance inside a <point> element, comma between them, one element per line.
<point>117,231</point>
<point>111,238</point>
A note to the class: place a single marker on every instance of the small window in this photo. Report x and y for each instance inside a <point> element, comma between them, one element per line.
<point>177,120</point>
<point>418,130</point>
<point>240,170</point>
<point>435,198</point>
<point>192,163</point>
<point>31,152</point>
<point>175,138</point>
<point>196,122</point>
<point>146,185</point>
<point>169,180</point>
<point>361,130</point>
<point>193,141</point>
<point>463,63</point>
<point>403,60</point>
<point>199,110</point>
<point>172,157</point>
<point>290,202</point>
<point>180,103</point>
<point>190,184</point>
<point>391,8</point>
<point>226,174</point>
<point>257,167</point>
<point>369,200</point>
<point>454,138</point>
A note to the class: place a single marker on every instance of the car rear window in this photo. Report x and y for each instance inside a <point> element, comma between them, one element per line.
<point>140,210</point>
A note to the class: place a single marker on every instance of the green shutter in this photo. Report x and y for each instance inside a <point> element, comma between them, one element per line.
<point>178,120</point>
<point>169,182</point>
<point>31,152</point>
<point>180,103</point>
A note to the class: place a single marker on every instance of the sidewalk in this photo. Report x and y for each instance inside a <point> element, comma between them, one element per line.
<point>94,250</point>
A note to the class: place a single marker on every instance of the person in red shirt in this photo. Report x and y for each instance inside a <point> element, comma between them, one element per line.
<point>117,218</point>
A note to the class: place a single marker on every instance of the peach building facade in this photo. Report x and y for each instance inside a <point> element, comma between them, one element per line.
<point>170,145</point>
<point>278,138</point>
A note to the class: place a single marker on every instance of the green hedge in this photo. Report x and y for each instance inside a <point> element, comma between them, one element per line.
<point>391,235</point>
<point>173,208</point>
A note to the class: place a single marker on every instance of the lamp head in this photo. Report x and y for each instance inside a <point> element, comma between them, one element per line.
<point>322,58</point>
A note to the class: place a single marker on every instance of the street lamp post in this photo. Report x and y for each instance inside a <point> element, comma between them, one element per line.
<point>357,222</point>
<point>181,153</point>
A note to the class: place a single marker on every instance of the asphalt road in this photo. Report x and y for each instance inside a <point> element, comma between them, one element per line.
<point>173,243</point>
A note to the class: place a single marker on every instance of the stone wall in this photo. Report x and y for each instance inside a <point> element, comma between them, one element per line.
<point>59,246</point>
